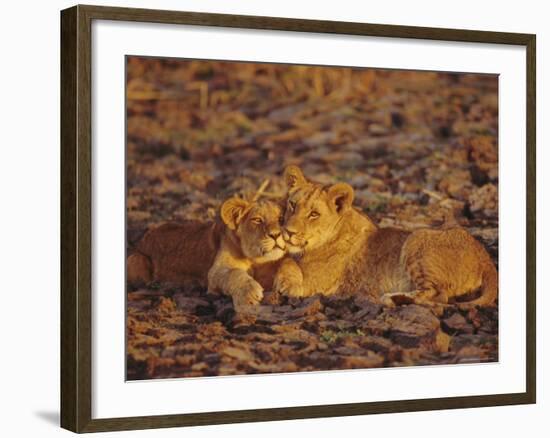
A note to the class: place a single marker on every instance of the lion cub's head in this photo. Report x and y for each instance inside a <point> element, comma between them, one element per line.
<point>257,226</point>
<point>313,211</point>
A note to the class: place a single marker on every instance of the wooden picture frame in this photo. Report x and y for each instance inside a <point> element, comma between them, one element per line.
<point>76,237</point>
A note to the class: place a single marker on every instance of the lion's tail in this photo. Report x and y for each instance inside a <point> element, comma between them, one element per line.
<point>139,269</point>
<point>489,288</point>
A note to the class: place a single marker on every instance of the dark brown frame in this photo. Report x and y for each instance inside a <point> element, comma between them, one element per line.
<point>76,173</point>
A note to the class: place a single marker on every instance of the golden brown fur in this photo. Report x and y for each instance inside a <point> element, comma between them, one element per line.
<point>339,249</point>
<point>249,252</point>
<point>237,255</point>
<point>175,253</point>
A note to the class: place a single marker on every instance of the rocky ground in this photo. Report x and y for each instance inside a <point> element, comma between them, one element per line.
<point>419,148</point>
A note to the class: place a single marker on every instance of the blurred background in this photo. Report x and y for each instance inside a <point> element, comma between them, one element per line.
<point>414,145</point>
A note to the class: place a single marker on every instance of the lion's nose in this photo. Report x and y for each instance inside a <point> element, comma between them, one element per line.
<point>289,232</point>
<point>274,234</point>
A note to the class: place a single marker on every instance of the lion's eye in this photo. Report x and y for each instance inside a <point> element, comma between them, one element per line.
<point>256,220</point>
<point>314,215</point>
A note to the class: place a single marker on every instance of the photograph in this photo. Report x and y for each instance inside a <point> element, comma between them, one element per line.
<point>285,218</point>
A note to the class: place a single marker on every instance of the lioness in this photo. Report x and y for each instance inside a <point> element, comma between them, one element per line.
<point>336,248</point>
<point>237,256</point>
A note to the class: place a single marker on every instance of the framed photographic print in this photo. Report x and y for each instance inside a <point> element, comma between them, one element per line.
<point>268,218</point>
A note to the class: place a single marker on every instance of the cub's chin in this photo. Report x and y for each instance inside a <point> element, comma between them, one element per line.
<point>295,251</point>
<point>271,256</point>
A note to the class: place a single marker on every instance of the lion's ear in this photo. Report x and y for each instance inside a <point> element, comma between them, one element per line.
<point>294,177</point>
<point>341,194</point>
<point>232,211</point>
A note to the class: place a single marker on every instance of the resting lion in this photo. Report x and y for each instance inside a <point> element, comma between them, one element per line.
<point>237,256</point>
<point>336,248</point>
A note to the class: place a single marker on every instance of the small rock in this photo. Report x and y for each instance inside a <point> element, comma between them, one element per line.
<point>377,129</point>
<point>410,326</point>
<point>225,313</point>
<point>166,304</point>
<point>397,119</point>
<point>471,354</point>
<point>310,306</point>
<point>457,324</point>
<point>272,298</point>
<point>369,360</point>
<point>200,366</point>
<point>138,304</point>
<point>189,304</point>
<point>238,354</point>
<point>137,216</point>
<point>484,200</point>
<point>456,183</point>
<point>367,308</point>
<point>483,151</point>
<point>348,351</point>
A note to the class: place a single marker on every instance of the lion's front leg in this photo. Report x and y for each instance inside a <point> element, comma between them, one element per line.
<point>244,290</point>
<point>289,279</point>
<point>238,284</point>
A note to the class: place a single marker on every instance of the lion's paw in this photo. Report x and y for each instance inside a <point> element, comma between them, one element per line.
<point>285,286</point>
<point>249,295</point>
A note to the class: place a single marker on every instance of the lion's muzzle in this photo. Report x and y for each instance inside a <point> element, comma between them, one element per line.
<point>280,242</point>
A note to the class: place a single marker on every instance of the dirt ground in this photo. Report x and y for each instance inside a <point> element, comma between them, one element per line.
<point>419,148</point>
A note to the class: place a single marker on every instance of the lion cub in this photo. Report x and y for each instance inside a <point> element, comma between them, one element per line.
<point>236,256</point>
<point>337,248</point>
<point>250,248</point>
